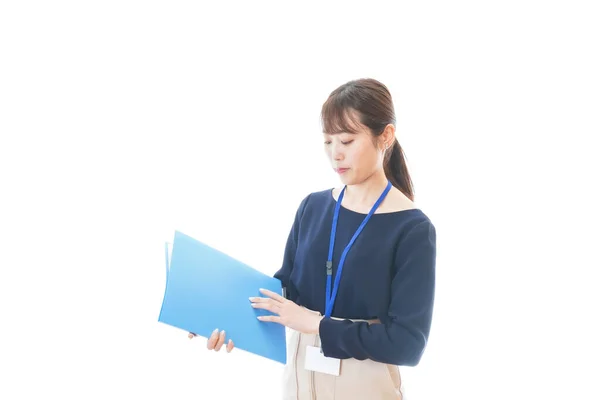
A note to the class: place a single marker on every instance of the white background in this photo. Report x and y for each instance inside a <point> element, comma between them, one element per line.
<point>121,121</point>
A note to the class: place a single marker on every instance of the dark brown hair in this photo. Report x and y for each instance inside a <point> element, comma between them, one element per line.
<point>371,102</point>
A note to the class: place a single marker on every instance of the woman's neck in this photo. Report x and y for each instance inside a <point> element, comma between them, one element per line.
<point>366,193</point>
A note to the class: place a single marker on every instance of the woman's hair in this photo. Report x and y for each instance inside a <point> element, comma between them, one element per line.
<point>370,101</point>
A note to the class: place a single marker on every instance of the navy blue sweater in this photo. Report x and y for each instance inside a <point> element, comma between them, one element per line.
<point>389,274</point>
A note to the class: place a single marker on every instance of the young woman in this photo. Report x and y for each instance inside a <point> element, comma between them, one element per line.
<point>359,264</point>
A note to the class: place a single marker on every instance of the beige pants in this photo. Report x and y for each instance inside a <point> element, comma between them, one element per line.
<point>358,380</point>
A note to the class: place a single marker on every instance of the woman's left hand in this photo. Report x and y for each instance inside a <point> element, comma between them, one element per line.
<point>288,313</point>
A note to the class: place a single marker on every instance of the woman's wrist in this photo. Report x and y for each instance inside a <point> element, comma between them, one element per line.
<point>317,325</point>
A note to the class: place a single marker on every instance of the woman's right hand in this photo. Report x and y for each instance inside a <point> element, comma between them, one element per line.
<point>216,341</point>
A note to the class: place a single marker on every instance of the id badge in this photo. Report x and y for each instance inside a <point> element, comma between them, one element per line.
<point>316,361</point>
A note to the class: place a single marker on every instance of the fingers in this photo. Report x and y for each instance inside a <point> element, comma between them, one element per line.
<point>273,295</point>
<point>262,300</point>
<point>212,340</point>
<point>270,318</point>
<point>221,341</point>
<point>266,304</point>
<point>216,340</point>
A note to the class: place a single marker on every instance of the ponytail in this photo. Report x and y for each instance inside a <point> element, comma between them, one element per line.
<point>397,172</point>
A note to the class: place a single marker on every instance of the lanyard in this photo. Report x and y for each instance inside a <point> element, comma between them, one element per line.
<point>330,297</point>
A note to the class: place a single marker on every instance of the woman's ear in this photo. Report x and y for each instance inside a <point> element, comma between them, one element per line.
<point>388,136</point>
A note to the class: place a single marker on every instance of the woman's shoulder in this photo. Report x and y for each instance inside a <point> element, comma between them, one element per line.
<point>314,200</point>
<point>317,198</point>
<point>396,201</point>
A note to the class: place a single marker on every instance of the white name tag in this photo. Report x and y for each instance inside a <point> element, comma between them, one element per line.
<point>316,361</point>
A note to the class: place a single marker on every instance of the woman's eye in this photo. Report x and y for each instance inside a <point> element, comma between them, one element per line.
<point>344,143</point>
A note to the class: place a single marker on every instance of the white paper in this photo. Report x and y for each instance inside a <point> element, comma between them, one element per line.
<point>316,361</point>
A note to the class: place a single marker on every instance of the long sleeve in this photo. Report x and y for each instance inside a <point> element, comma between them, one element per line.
<point>402,335</point>
<point>284,272</point>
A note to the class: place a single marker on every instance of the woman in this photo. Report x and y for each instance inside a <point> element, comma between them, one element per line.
<point>359,265</point>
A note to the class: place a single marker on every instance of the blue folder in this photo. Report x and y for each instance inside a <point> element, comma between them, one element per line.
<point>207,289</point>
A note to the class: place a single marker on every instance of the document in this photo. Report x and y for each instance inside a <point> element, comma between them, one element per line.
<point>207,290</point>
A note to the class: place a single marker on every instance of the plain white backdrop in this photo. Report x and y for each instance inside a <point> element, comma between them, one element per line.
<point>121,121</point>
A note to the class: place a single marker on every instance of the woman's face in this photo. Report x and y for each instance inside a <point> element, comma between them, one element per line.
<point>354,156</point>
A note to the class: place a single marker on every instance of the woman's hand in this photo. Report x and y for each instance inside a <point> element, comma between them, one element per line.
<point>288,313</point>
<point>216,341</point>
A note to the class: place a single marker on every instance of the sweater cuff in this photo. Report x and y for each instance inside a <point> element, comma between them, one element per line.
<point>330,334</point>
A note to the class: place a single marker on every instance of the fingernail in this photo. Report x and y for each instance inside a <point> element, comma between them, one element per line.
<point>216,330</point>
<point>251,298</point>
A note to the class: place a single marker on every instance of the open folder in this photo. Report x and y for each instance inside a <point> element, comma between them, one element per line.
<point>207,290</point>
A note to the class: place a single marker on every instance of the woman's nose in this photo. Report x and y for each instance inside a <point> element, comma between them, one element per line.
<point>337,153</point>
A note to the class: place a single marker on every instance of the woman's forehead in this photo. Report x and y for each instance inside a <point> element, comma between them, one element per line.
<point>341,120</point>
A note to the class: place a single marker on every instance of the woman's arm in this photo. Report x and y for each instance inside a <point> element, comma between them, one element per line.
<point>283,274</point>
<point>402,336</point>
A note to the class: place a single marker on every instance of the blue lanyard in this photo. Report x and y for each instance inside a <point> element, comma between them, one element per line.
<point>330,298</point>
